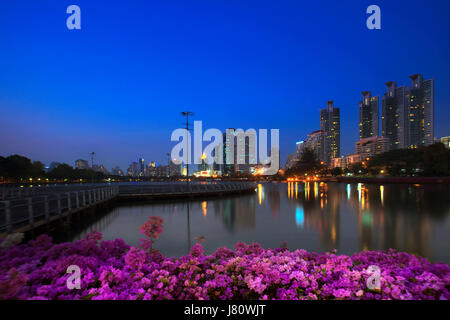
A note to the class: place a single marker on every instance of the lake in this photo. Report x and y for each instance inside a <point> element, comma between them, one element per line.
<point>315,216</point>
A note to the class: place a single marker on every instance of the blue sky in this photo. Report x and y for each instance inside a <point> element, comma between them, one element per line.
<point>118,85</point>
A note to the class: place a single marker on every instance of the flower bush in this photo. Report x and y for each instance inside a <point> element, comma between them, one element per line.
<point>115,270</point>
<point>152,229</point>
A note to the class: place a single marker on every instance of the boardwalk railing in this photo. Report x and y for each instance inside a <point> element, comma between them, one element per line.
<point>22,211</point>
<point>7,193</point>
<point>183,189</point>
<point>23,214</point>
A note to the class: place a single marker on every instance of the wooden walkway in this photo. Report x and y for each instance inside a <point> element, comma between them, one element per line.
<point>24,210</point>
<point>24,214</point>
<point>182,190</point>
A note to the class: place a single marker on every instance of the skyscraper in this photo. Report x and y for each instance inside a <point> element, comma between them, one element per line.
<point>141,167</point>
<point>246,153</point>
<point>393,116</point>
<point>175,169</point>
<point>238,152</point>
<point>116,171</point>
<point>81,164</point>
<point>420,113</point>
<point>133,169</point>
<point>408,114</point>
<point>316,142</point>
<point>229,152</point>
<point>330,124</point>
<point>151,170</point>
<point>368,116</point>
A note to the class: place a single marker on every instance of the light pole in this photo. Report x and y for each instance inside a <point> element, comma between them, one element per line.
<point>92,154</point>
<point>168,165</point>
<point>187,114</point>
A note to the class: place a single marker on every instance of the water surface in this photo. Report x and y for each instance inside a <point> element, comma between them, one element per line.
<point>314,216</point>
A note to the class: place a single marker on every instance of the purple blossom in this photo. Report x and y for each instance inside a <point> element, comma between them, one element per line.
<point>114,270</point>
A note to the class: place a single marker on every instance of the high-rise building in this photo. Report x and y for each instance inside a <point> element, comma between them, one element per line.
<point>352,159</point>
<point>316,142</point>
<point>420,112</point>
<point>102,169</point>
<point>299,146</point>
<point>408,114</point>
<point>393,116</point>
<point>81,164</point>
<point>151,169</point>
<point>330,124</point>
<point>116,171</point>
<point>142,170</point>
<point>293,158</point>
<point>174,169</point>
<point>203,166</point>
<point>133,170</point>
<point>338,162</point>
<point>246,155</point>
<point>161,171</point>
<point>368,116</point>
<point>239,153</point>
<point>369,147</point>
<point>229,152</point>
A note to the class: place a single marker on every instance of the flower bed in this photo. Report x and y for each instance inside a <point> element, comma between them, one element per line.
<point>115,270</point>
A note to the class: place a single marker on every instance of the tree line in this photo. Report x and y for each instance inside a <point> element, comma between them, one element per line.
<point>432,160</point>
<point>16,167</point>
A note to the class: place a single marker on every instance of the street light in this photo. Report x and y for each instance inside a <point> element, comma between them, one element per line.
<point>187,114</point>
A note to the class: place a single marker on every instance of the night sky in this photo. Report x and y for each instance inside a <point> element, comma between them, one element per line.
<point>118,85</point>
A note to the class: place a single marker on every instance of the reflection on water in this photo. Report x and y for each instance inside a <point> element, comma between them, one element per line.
<point>316,216</point>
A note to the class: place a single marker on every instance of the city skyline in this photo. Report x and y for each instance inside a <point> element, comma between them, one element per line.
<point>118,90</point>
<point>325,142</point>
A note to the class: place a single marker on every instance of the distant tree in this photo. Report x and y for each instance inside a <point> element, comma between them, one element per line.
<point>88,174</point>
<point>357,169</point>
<point>399,162</point>
<point>308,163</point>
<point>16,166</point>
<point>37,169</point>
<point>436,160</point>
<point>63,171</point>
<point>2,164</point>
<point>19,167</point>
<point>433,160</point>
<point>336,171</point>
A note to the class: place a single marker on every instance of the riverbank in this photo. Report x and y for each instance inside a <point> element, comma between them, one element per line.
<point>397,180</point>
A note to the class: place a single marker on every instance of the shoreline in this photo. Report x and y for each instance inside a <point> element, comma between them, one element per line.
<point>393,180</point>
